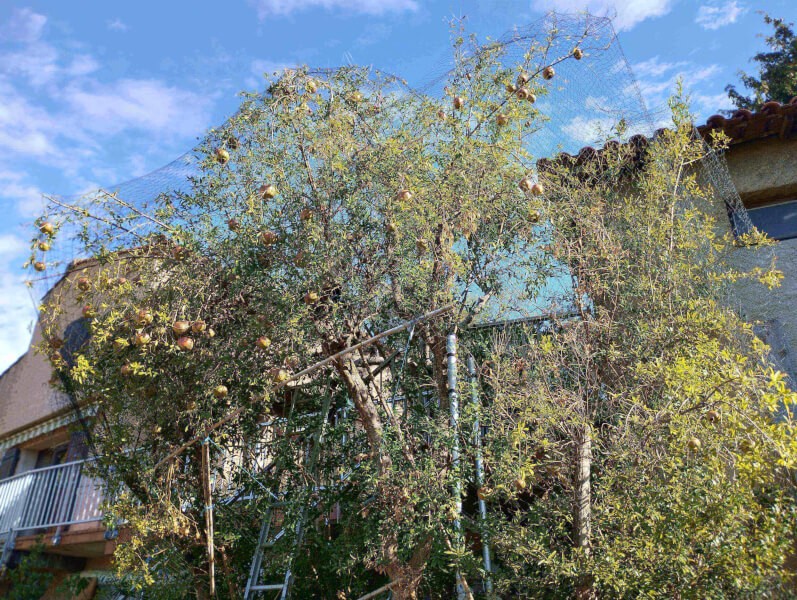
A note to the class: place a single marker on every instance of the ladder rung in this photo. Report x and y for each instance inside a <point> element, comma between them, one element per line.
<point>267,587</point>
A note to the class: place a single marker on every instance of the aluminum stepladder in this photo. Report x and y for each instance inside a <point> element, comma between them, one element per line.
<point>265,541</point>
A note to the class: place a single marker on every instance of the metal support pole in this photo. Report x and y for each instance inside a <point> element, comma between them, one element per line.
<point>477,442</point>
<point>208,496</point>
<point>453,404</point>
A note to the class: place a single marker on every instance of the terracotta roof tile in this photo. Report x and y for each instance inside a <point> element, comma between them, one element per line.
<point>773,119</point>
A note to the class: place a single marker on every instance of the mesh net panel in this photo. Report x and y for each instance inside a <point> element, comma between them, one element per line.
<point>588,102</point>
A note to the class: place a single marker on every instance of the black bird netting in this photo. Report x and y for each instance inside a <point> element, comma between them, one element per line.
<point>580,100</point>
<point>588,103</point>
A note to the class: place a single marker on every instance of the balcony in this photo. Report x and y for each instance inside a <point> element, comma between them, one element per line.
<point>49,500</point>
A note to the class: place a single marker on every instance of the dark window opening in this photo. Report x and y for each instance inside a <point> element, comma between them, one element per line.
<point>778,221</point>
<point>52,456</point>
<point>9,462</point>
<point>75,335</point>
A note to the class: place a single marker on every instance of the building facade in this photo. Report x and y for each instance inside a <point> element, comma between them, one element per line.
<point>48,498</point>
<point>762,161</point>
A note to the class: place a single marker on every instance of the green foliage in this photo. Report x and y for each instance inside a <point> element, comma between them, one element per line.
<point>777,69</point>
<point>339,203</point>
<point>692,433</point>
<point>34,574</point>
<point>30,578</point>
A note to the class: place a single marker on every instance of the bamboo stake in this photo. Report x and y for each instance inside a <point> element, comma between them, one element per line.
<point>307,371</point>
<point>208,515</point>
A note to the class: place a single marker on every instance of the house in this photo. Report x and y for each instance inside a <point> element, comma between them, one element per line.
<point>47,496</point>
<point>762,161</point>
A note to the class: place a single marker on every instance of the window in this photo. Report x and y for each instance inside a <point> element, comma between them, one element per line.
<point>777,220</point>
<point>51,456</point>
<point>9,462</point>
<point>75,335</point>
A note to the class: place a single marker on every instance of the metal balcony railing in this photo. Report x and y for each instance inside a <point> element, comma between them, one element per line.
<point>56,496</point>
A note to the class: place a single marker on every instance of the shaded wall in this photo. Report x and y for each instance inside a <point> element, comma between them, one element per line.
<point>766,171</point>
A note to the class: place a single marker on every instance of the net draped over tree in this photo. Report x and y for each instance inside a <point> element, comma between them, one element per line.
<point>629,441</point>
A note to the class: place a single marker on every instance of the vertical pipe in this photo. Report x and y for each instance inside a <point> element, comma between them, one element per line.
<point>7,504</point>
<point>453,403</point>
<point>343,413</point>
<point>10,500</point>
<point>59,493</point>
<point>42,481</point>
<point>49,496</point>
<point>208,515</point>
<point>477,442</point>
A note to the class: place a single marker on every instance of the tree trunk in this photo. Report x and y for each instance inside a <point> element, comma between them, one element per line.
<point>437,345</point>
<point>582,506</point>
<point>372,423</point>
<point>407,575</point>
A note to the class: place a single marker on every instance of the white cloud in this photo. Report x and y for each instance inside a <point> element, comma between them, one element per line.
<point>117,25</point>
<point>82,64</point>
<point>657,80</point>
<point>262,68</point>
<point>585,130</point>
<point>715,16</point>
<point>626,13</point>
<point>27,198</point>
<point>23,128</point>
<point>23,26</point>
<point>17,315</point>
<point>374,32</point>
<point>146,104</point>
<point>652,88</point>
<point>11,245</point>
<point>17,191</point>
<point>71,103</point>
<point>653,67</point>
<point>711,104</point>
<point>40,63</point>
<point>58,124</point>
<point>267,8</point>
<point>36,62</point>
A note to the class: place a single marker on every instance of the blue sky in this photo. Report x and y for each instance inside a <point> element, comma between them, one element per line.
<point>94,93</point>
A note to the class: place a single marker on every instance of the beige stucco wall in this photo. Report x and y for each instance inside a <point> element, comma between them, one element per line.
<point>774,310</point>
<point>763,169</point>
<point>767,170</point>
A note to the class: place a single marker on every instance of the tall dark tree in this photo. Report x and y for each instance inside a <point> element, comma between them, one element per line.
<point>777,71</point>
